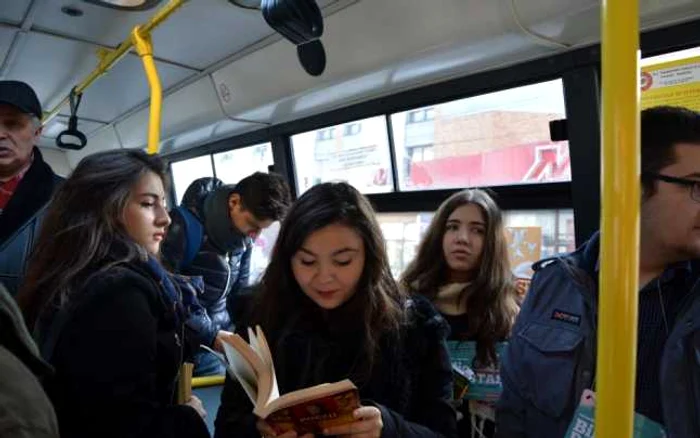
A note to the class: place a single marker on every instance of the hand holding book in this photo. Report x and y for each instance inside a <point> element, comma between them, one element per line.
<point>367,424</point>
<point>304,411</point>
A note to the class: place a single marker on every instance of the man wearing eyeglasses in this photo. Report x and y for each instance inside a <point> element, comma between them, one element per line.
<point>548,371</point>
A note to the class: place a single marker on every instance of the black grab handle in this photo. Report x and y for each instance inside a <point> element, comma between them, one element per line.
<point>72,131</point>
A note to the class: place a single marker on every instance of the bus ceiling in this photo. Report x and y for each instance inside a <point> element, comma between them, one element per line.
<point>225,71</point>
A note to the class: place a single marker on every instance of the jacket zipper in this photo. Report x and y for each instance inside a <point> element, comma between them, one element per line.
<point>179,342</point>
<point>228,274</point>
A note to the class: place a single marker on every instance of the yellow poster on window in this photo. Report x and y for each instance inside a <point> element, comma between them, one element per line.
<point>675,83</point>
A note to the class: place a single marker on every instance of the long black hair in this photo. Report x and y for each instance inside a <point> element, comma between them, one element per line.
<point>379,299</point>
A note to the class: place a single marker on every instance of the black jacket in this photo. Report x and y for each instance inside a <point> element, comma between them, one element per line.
<point>223,265</point>
<point>21,219</point>
<point>25,410</point>
<point>411,384</point>
<point>117,359</point>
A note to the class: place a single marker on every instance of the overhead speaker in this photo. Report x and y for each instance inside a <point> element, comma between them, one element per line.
<point>301,23</point>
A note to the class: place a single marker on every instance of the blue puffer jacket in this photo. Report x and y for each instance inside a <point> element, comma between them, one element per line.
<point>21,219</point>
<point>550,361</point>
<point>223,260</point>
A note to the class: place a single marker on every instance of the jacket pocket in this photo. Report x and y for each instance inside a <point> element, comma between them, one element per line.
<point>551,356</point>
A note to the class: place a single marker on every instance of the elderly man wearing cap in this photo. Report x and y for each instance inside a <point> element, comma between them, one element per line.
<point>26,181</point>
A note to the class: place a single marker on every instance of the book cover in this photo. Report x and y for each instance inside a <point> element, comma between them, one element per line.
<point>307,410</point>
<point>315,415</point>
<point>482,383</point>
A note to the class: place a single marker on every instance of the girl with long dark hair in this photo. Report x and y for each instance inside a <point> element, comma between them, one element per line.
<point>462,267</point>
<point>332,310</point>
<point>108,317</point>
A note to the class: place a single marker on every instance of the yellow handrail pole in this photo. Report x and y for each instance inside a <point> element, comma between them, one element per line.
<point>201,382</point>
<point>619,250</point>
<point>144,48</point>
<point>111,57</point>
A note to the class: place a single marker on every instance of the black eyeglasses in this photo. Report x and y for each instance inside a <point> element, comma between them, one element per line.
<point>694,185</point>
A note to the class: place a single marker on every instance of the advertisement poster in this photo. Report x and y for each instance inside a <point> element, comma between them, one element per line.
<point>675,83</point>
<point>524,249</point>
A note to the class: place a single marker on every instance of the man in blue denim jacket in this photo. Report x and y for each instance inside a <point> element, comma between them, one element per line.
<point>550,360</point>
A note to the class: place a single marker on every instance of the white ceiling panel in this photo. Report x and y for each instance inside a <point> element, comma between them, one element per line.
<point>206,31</point>
<point>98,24</point>
<point>206,134</point>
<point>186,109</point>
<point>65,60</point>
<point>13,11</point>
<point>199,34</point>
<point>6,37</point>
<point>105,139</point>
<point>60,123</point>
<point>101,102</point>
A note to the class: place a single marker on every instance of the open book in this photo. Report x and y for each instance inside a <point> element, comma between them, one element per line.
<point>307,410</point>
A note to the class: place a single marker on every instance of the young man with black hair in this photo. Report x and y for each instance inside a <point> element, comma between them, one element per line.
<point>551,358</point>
<point>211,236</point>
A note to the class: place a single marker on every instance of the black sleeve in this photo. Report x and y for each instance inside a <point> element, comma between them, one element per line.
<point>173,247</point>
<point>109,367</point>
<point>235,417</point>
<point>432,413</point>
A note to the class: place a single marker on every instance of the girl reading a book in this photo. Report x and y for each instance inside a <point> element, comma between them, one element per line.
<point>462,267</point>
<point>331,310</point>
<point>108,317</point>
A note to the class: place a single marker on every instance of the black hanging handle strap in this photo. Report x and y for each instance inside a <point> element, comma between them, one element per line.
<point>72,138</point>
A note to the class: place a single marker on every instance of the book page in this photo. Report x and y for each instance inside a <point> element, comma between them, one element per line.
<point>266,356</point>
<point>266,380</point>
<point>239,368</point>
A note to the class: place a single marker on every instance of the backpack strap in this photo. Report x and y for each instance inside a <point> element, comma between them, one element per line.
<point>194,233</point>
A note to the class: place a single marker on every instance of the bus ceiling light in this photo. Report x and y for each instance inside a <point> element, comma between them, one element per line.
<point>72,11</point>
<point>247,4</point>
<point>301,23</point>
<point>125,5</point>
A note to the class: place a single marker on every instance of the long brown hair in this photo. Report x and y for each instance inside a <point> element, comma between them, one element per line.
<point>491,296</point>
<point>380,300</point>
<point>82,233</point>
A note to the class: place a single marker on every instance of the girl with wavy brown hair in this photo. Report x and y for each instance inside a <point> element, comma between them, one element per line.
<point>462,267</point>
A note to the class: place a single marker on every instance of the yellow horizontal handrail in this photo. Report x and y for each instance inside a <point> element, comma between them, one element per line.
<point>201,382</point>
<point>109,58</point>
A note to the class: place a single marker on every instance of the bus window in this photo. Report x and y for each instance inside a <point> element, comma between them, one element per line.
<point>359,151</point>
<point>494,139</point>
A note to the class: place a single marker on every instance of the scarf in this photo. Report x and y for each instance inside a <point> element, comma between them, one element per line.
<point>217,222</point>
<point>180,292</point>
<point>448,300</point>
